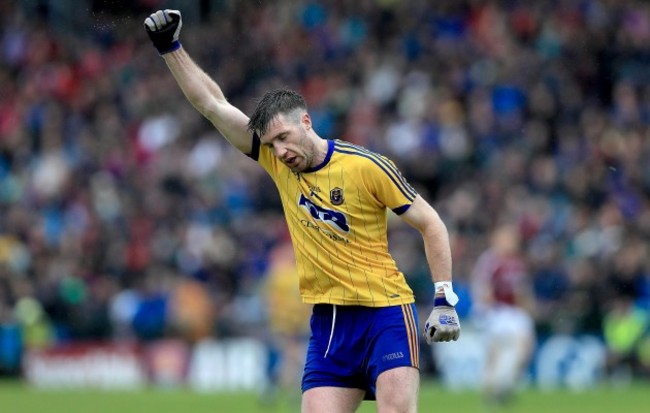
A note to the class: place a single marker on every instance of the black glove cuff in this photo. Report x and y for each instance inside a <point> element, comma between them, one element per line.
<point>175,45</point>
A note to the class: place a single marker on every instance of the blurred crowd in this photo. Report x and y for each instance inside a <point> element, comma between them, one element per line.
<point>123,214</point>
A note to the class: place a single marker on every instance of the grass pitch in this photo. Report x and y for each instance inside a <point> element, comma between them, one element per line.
<point>15,397</point>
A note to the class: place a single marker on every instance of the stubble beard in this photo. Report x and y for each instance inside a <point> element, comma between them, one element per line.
<point>309,153</point>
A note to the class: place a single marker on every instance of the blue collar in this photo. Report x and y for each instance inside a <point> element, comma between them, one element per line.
<point>330,150</point>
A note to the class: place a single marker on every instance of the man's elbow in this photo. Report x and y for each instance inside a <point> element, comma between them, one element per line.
<point>436,226</point>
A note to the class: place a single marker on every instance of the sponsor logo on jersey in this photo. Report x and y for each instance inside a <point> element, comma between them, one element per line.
<point>314,191</point>
<point>335,219</point>
<point>324,231</point>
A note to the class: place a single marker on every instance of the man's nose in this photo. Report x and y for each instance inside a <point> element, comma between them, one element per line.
<point>280,150</point>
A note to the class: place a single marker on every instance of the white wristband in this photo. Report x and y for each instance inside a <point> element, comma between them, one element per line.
<point>446,288</point>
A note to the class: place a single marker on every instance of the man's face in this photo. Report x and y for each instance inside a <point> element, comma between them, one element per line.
<point>287,137</point>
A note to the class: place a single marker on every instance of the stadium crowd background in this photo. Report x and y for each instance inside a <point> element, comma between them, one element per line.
<point>123,215</point>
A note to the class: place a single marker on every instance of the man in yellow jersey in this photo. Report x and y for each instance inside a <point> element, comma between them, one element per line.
<point>335,195</point>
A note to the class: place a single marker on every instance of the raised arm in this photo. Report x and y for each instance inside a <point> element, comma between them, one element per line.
<point>163,28</point>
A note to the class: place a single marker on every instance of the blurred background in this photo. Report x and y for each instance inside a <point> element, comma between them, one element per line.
<point>129,227</point>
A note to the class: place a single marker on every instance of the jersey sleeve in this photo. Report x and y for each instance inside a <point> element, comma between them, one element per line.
<point>386,183</point>
<point>263,156</point>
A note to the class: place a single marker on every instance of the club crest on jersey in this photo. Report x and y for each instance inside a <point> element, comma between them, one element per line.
<point>336,196</point>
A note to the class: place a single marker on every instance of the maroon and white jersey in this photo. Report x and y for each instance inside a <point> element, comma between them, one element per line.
<point>503,276</point>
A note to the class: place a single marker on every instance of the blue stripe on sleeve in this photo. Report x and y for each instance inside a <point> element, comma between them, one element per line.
<point>402,209</point>
<point>408,196</point>
<point>383,161</point>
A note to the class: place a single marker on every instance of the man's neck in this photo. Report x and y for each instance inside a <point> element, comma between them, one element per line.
<point>320,154</point>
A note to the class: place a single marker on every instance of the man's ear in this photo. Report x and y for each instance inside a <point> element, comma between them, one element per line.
<point>306,120</point>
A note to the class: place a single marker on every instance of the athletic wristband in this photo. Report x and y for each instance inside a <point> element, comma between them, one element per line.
<point>175,45</point>
<point>437,301</point>
<point>445,287</point>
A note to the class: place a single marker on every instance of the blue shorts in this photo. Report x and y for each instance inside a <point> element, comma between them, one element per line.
<point>350,346</point>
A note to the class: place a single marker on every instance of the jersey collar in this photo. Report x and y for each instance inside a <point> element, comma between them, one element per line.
<point>330,150</point>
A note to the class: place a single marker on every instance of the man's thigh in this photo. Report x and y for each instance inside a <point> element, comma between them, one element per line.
<point>352,347</point>
<point>331,400</point>
<point>397,390</point>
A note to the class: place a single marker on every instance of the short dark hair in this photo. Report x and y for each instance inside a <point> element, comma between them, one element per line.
<point>270,105</point>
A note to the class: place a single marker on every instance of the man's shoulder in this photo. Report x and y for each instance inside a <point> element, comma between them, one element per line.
<point>360,158</point>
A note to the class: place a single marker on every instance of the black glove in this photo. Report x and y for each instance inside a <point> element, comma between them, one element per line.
<point>163,28</point>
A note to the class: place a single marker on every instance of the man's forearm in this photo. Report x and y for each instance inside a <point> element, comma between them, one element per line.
<point>425,219</point>
<point>438,252</point>
<point>443,323</point>
<point>206,96</point>
<point>199,89</point>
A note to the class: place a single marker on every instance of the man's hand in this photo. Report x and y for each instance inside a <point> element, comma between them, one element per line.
<point>163,28</point>
<point>442,324</point>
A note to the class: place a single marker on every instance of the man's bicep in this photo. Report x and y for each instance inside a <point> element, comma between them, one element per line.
<point>419,214</point>
<point>232,123</point>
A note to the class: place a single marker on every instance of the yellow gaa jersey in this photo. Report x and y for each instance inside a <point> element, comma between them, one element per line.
<point>337,217</point>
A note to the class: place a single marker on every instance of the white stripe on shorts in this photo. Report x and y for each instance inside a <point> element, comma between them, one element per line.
<point>329,343</point>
